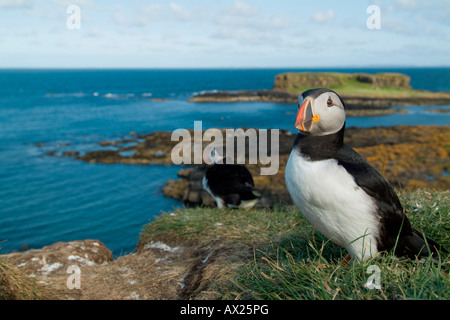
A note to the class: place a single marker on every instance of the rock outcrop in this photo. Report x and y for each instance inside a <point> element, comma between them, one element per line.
<point>56,258</point>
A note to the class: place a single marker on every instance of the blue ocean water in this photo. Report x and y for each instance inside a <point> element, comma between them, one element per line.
<point>45,199</point>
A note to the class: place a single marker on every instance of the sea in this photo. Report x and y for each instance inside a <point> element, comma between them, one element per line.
<point>45,199</point>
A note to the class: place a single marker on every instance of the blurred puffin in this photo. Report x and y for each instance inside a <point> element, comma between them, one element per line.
<point>231,185</point>
<point>341,194</point>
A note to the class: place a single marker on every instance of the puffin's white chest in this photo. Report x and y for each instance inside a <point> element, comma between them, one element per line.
<point>331,200</point>
<point>219,201</point>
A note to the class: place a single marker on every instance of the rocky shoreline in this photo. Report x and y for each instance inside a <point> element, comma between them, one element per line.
<point>355,105</point>
<point>351,101</point>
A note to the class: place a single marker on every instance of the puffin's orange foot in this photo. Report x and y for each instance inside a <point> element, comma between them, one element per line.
<point>346,260</point>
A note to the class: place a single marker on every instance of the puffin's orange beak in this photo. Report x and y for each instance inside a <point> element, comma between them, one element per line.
<point>305,116</point>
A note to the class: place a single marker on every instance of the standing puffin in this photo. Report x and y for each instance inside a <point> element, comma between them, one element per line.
<point>341,194</point>
<point>231,185</point>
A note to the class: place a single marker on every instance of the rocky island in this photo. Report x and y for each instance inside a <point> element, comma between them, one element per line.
<point>364,94</point>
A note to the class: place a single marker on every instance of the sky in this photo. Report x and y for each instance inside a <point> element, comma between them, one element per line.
<point>223,33</point>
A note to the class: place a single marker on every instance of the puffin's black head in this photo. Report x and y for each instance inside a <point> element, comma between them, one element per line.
<point>321,111</point>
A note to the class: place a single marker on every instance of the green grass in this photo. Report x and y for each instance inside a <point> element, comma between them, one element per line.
<point>281,275</point>
<point>352,87</point>
<point>209,224</point>
<point>290,260</point>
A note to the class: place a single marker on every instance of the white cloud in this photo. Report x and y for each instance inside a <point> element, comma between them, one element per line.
<point>155,13</point>
<point>246,35</point>
<point>66,3</point>
<point>246,24</point>
<point>239,8</point>
<point>232,32</point>
<point>180,11</point>
<point>94,33</point>
<point>15,3</point>
<point>322,17</point>
<point>119,18</point>
<point>243,9</point>
<point>407,4</point>
<point>148,14</point>
<point>413,18</point>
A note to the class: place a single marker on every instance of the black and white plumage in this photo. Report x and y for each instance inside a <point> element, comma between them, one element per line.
<point>231,185</point>
<point>341,194</point>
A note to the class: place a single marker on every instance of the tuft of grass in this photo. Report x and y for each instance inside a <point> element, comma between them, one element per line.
<point>429,212</point>
<point>15,285</point>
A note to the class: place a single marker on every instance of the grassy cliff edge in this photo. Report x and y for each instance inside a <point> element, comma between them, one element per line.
<point>276,254</point>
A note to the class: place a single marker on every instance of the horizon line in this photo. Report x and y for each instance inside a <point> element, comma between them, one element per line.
<point>228,68</point>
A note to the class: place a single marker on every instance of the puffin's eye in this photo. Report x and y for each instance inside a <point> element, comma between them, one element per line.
<point>329,102</point>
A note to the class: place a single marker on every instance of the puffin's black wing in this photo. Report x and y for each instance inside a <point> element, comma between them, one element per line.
<point>225,179</point>
<point>396,230</point>
<point>369,179</point>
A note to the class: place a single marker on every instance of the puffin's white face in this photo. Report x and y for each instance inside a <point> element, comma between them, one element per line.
<point>321,112</point>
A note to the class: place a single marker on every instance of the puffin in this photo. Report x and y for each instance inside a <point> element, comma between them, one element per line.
<point>340,193</point>
<point>230,185</point>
